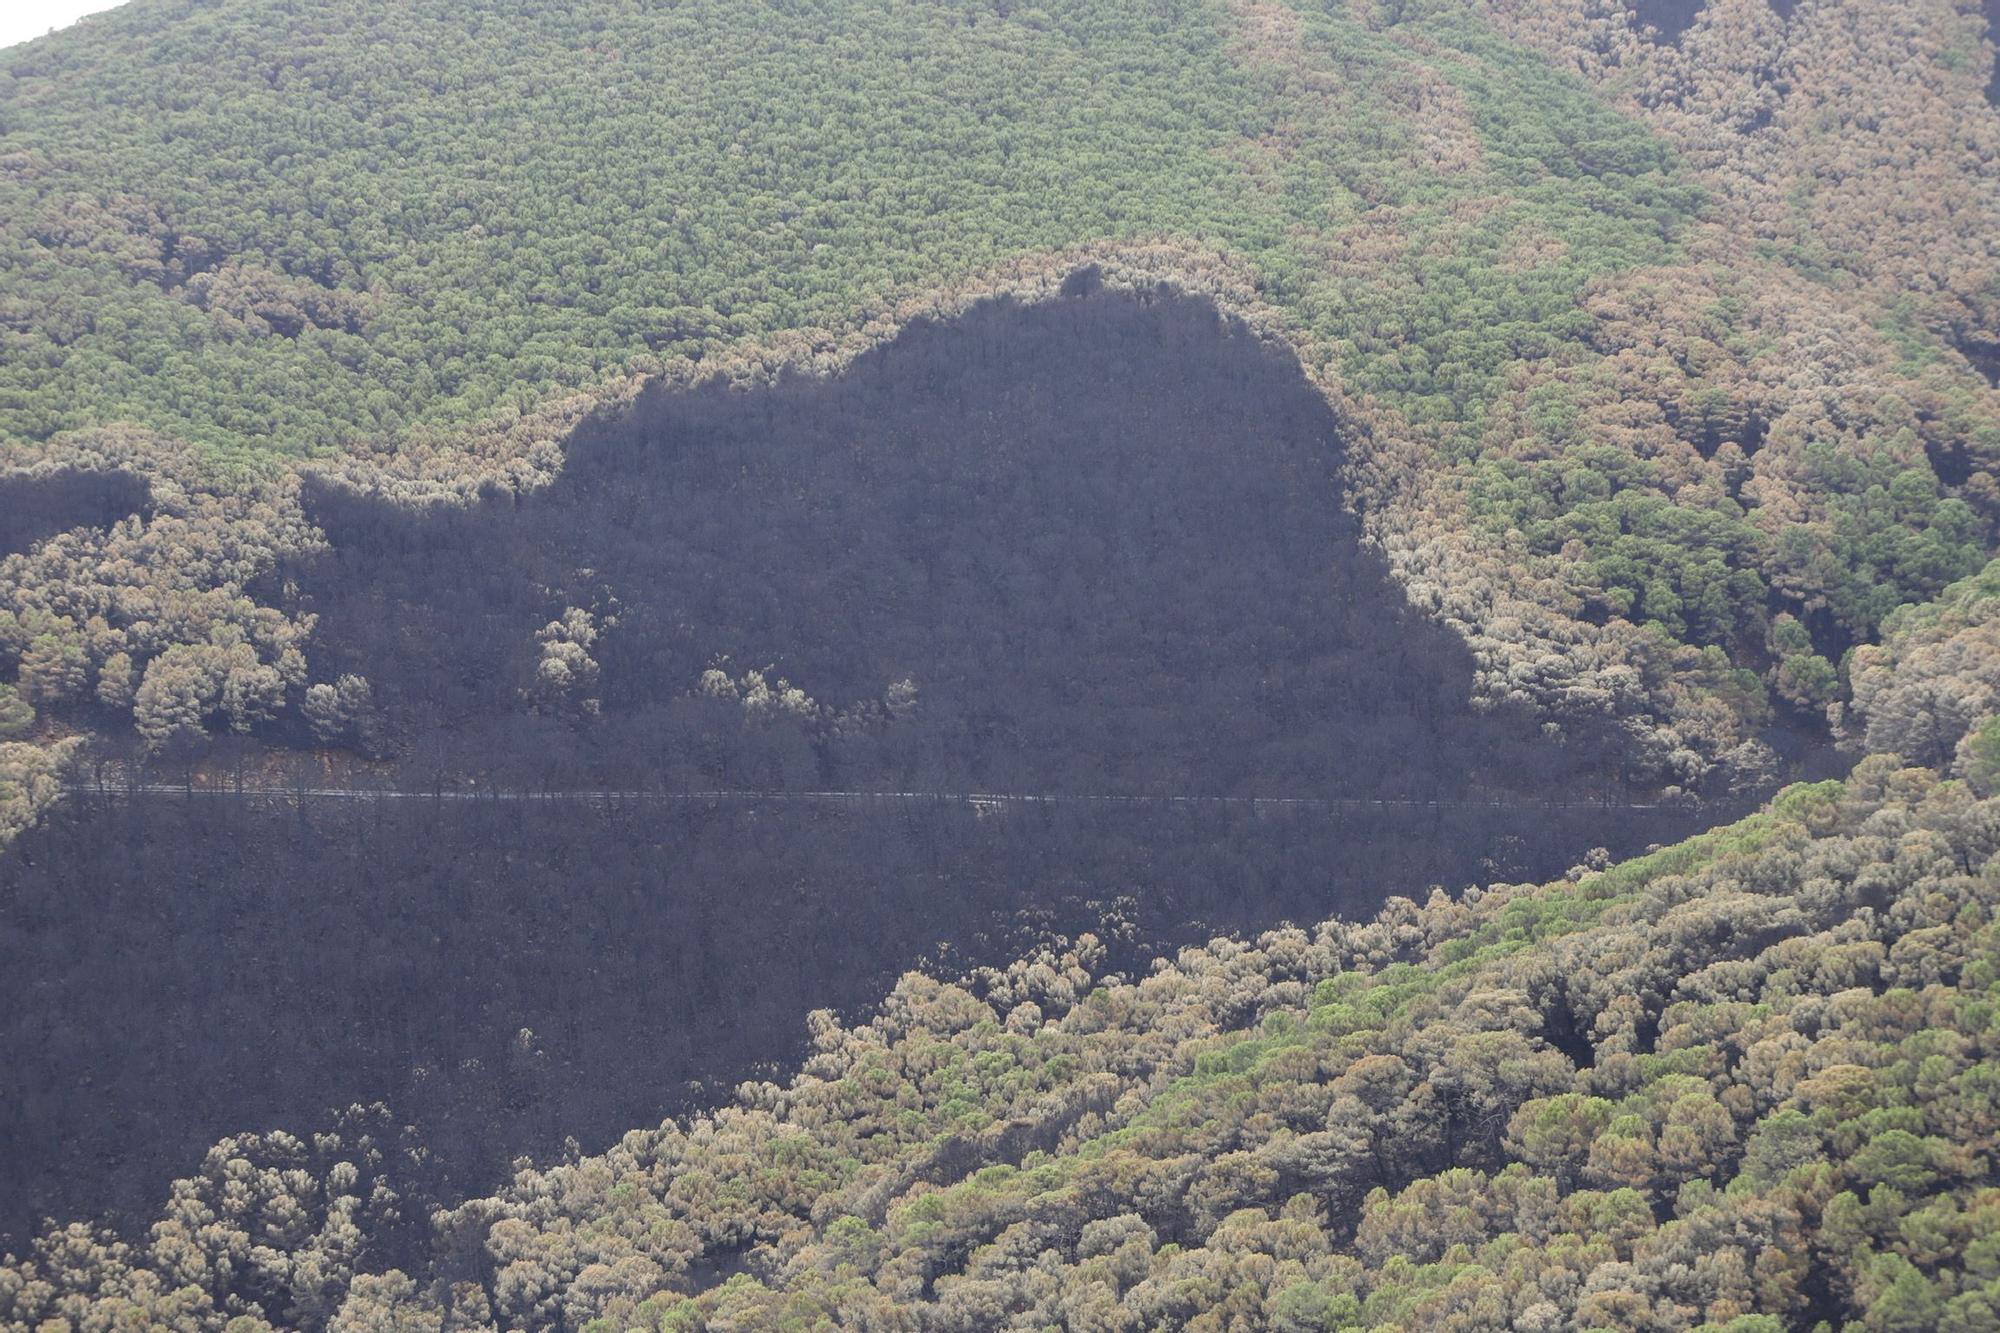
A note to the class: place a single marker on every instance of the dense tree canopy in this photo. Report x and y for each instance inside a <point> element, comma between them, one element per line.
<point>1930,690</point>
<point>263,229</point>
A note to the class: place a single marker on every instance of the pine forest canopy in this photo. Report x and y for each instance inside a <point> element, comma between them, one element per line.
<point>1572,396</point>
<point>291,227</point>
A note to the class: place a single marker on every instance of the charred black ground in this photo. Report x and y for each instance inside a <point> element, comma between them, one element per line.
<point>1991,10</point>
<point>1671,18</point>
<point>174,970</point>
<point>1102,538</point>
<point>36,507</point>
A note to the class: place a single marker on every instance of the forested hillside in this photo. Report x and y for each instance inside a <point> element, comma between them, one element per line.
<point>1470,410</point>
<point>1659,360</point>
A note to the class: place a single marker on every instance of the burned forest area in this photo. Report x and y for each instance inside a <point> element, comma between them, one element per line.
<point>1095,547</point>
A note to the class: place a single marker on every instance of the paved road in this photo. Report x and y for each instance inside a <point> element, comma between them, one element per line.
<point>976,799</point>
